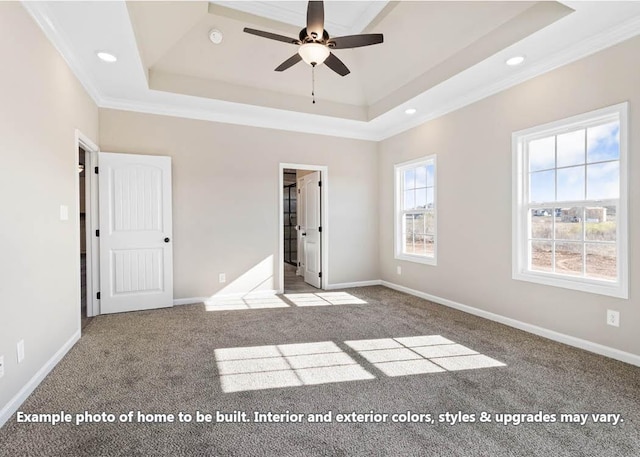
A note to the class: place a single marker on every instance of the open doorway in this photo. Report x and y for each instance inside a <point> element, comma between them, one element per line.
<point>82,170</point>
<point>290,215</point>
<point>303,239</point>
<point>87,226</point>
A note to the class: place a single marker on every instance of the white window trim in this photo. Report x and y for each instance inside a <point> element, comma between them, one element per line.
<point>520,255</point>
<point>397,223</point>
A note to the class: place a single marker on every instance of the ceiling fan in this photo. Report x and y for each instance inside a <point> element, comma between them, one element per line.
<point>315,43</point>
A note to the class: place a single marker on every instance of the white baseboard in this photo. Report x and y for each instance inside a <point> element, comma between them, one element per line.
<point>590,346</point>
<point>349,285</point>
<point>10,408</point>
<point>188,301</point>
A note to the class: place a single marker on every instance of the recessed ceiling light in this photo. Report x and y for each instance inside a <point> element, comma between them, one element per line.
<point>215,36</point>
<point>106,57</point>
<point>410,111</point>
<point>514,61</point>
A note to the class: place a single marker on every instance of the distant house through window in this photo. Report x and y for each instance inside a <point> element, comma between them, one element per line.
<point>415,184</point>
<point>570,210</point>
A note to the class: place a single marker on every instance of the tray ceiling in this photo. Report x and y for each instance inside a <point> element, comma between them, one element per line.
<point>436,57</point>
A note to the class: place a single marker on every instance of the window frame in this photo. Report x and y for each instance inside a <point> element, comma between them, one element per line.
<point>521,206</point>
<point>399,213</point>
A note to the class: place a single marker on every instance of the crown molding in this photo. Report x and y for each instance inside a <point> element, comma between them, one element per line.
<point>384,126</point>
<point>260,117</point>
<point>585,48</point>
<point>39,11</point>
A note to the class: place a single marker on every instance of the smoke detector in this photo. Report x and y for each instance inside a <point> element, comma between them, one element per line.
<point>215,36</point>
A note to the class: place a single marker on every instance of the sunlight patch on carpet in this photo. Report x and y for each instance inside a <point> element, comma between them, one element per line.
<point>233,304</point>
<point>324,299</point>
<point>420,355</point>
<point>290,365</point>
<point>285,365</point>
<point>276,301</point>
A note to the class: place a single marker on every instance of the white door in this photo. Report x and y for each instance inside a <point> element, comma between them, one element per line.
<point>311,229</point>
<point>136,256</point>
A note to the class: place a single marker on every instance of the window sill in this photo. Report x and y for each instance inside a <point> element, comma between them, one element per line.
<point>417,259</point>
<point>608,288</point>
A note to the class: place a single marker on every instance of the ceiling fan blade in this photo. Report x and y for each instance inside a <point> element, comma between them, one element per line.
<point>356,41</point>
<point>336,65</point>
<point>272,36</point>
<point>315,19</point>
<point>290,62</point>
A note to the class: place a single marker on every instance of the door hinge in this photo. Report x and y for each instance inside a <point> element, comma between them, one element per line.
<point>320,183</point>
<point>299,264</point>
<point>298,190</point>
<point>320,275</point>
<point>98,295</point>
<point>319,229</point>
<point>97,232</point>
<point>95,170</point>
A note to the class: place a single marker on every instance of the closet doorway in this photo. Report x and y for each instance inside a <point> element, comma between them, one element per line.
<point>82,173</point>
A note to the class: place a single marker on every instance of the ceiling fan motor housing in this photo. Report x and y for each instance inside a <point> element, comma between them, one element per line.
<point>306,37</point>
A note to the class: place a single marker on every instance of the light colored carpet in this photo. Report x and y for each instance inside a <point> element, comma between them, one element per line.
<point>165,361</point>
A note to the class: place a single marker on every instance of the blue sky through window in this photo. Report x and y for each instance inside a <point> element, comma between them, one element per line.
<point>418,185</point>
<point>594,144</point>
<point>603,142</point>
<point>571,183</point>
<point>543,186</point>
<point>542,154</point>
<point>603,180</point>
<point>571,148</point>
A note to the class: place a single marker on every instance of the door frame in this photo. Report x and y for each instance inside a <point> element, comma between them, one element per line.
<point>324,220</point>
<point>91,222</point>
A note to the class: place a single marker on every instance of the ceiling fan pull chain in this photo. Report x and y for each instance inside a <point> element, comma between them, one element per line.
<point>313,84</point>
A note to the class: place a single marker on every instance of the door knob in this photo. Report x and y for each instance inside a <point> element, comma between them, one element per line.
<point>166,240</point>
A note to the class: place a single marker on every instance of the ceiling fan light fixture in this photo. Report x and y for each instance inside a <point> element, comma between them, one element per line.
<point>314,53</point>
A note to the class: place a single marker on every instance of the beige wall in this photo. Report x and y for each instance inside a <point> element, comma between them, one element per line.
<point>226,189</point>
<point>41,105</point>
<point>473,146</point>
<point>226,198</point>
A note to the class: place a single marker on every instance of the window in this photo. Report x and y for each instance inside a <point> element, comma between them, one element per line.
<point>415,230</point>
<point>570,203</point>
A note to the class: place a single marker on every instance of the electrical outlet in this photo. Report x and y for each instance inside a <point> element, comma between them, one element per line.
<point>399,269</point>
<point>613,318</point>
<point>222,277</point>
<point>1,366</point>
<point>20,350</point>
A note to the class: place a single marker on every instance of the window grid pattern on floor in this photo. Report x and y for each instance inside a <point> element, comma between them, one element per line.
<point>419,355</point>
<point>324,299</point>
<point>283,301</point>
<point>286,365</point>
<point>292,365</point>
